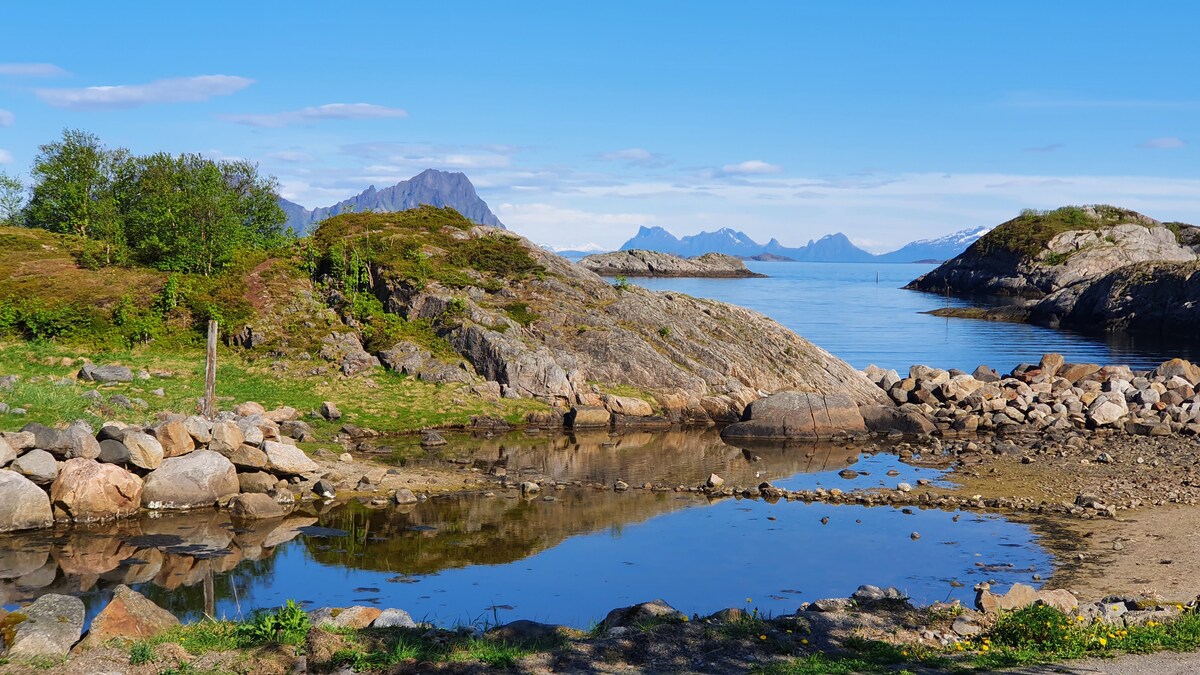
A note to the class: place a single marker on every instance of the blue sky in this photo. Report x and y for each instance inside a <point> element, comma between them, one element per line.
<point>578,122</point>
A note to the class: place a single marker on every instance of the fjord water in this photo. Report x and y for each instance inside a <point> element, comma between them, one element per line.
<point>861,313</point>
<point>564,556</point>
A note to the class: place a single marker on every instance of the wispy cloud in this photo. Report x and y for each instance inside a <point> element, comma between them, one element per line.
<point>7,118</point>
<point>1164,143</point>
<point>752,167</point>
<point>31,70</point>
<point>1052,147</point>
<point>639,157</point>
<point>5,156</point>
<point>406,158</point>
<point>290,156</point>
<point>321,113</point>
<point>175,90</point>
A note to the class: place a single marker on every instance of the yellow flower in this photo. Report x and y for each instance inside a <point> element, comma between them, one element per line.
<point>983,648</point>
<point>903,653</point>
<point>789,630</point>
<point>762,637</point>
<point>1103,642</point>
<point>1079,618</point>
<point>803,641</point>
<point>958,646</point>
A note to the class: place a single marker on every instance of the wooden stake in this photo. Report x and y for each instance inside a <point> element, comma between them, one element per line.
<point>210,373</point>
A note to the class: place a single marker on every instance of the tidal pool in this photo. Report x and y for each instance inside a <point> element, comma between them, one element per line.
<point>566,556</point>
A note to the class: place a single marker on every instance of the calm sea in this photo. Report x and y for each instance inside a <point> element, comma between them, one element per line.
<point>859,312</point>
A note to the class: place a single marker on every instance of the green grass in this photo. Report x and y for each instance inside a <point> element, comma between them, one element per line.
<point>1029,233</point>
<point>379,649</point>
<point>520,312</point>
<point>395,404</point>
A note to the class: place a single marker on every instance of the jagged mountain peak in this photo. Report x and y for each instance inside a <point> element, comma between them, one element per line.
<point>432,186</point>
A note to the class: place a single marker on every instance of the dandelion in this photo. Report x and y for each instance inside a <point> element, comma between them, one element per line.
<point>903,653</point>
<point>983,648</point>
<point>762,637</point>
<point>958,646</point>
<point>1079,618</point>
<point>1103,642</point>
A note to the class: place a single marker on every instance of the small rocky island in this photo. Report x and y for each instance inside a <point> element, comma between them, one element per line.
<point>1091,268</point>
<point>639,263</point>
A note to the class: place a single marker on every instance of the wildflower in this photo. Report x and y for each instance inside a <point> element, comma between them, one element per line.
<point>803,641</point>
<point>958,646</point>
<point>789,630</point>
<point>762,637</point>
<point>1079,618</point>
<point>903,653</point>
<point>1103,642</point>
<point>983,648</point>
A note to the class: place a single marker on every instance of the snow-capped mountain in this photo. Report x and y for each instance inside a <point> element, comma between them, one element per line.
<point>940,248</point>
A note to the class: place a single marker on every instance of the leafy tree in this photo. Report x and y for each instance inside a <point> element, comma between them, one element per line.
<point>12,199</point>
<point>74,187</point>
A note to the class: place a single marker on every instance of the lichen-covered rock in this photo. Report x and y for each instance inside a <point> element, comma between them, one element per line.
<point>107,374</point>
<point>194,480</point>
<point>52,625</point>
<point>87,491</point>
<point>24,505</point>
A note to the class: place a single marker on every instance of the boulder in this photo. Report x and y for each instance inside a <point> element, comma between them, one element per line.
<point>1018,596</point>
<point>1107,409</point>
<point>80,442</point>
<point>627,405</point>
<point>330,411</point>
<point>25,506</point>
<point>647,611</point>
<point>226,437</point>
<point>324,489</point>
<point>248,457</point>
<point>113,452</point>
<point>129,615</point>
<point>145,452</point>
<point>45,438</point>
<point>297,429</point>
<point>1050,364</point>
<point>587,416</point>
<point>52,625</point>
<point>884,419</point>
<point>199,428</point>
<point>282,414</point>
<point>798,415</point>
<point>194,480</point>
<point>393,618</point>
<point>107,374</point>
<point>249,408</point>
<point>87,491</point>
<point>20,440</point>
<point>356,617</point>
<point>431,439</point>
<point>38,466</point>
<point>174,438</point>
<point>287,460</point>
<point>404,496</point>
<point>255,506</point>
<point>7,453</point>
<point>1179,368</point>
<point>259,482</point>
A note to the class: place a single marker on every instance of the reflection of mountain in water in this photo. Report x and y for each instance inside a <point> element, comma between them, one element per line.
<point>471,530</point>
<point>189,563</point>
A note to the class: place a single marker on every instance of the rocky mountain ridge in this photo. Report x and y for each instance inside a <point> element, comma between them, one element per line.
<point>431,187</point>
<point>638,263</point>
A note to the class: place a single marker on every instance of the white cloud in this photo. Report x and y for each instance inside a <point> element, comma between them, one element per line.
<point>175,90</point>
<point>1164,143</point>
<point>639,157</point>
<point>329,111</point>
<point>1052,147</point>
<point>5,156</point>
<point>31,69</point>
<point>7,118</point>
<point>564,227</point>
<point>290,156</point>
<point>752,167</point>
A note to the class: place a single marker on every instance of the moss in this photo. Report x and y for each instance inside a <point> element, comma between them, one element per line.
<point>8,626</point>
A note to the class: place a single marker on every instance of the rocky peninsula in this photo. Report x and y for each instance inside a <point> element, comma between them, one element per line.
<point>1093,268</point>
<point>641,263</point>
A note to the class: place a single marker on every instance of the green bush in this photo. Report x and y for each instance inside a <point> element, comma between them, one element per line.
<point>1040,627</point>
<point>287,625</point>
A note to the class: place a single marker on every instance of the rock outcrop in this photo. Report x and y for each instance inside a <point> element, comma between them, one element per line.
<point>540,326</point>
<point>1090,268</point>
<point>641,263</point>
<point>796,415</point>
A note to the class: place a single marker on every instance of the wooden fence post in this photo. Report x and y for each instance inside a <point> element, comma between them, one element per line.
<point>210,373</point>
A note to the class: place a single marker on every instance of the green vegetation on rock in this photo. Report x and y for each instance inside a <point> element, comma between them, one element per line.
<point>1028,233</point>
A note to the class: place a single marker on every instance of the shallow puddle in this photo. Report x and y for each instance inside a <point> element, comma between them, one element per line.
<point>566,556</point>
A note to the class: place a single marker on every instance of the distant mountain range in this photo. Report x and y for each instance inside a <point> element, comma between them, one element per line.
<point>433,187</point>
<point>830,248</point>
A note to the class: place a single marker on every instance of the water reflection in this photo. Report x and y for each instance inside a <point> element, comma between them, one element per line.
<point>565,555</point>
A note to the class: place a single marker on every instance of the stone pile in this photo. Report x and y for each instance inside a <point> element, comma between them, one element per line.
<point>80,475</point>
<point>1051,395</point>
